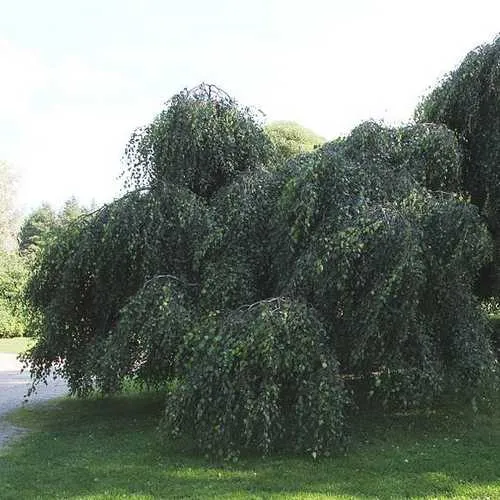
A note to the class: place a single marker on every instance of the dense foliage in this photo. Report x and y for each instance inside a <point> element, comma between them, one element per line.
<point>270,299</point>
<point>262,377</point>
<point>389,264</point>
<point>201,141</point>
<point>468,102</point>
<point>71,280</point>
<point>13,276</point>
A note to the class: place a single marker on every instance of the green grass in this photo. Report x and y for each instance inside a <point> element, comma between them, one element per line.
<point>15,345</point>
<point>109,449</point>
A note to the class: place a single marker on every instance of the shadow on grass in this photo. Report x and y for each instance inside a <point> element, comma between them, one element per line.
<point>109,448</point>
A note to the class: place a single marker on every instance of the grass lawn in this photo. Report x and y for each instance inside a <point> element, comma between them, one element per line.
<point>15,345</point>
<point>109,449</point>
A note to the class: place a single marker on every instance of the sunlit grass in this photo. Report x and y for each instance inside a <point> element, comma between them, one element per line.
<point>109,448</point>
<point>15,345</point>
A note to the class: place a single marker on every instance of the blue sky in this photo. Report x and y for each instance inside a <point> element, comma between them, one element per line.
<point>79,76</point>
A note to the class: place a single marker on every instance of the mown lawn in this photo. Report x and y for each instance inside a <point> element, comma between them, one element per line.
<point>15,345</point>
<point>109,448</point>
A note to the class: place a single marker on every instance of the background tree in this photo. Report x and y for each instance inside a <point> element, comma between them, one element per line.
<point>468,102</point>
<point>8,212</point>
<point>13,276</point>
<point>13,271</point>
<point>291,138</point>
<point>36,226</point>
<point>71,210</point>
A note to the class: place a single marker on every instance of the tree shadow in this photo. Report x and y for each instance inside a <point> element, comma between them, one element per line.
<point>110,446</point>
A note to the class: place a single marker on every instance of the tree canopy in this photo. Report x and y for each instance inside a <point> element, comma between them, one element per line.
<point>270,300</point>
<point>468,102</point>
<point>201,141</point>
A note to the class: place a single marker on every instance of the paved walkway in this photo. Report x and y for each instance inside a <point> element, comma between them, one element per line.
<point>13,388</point>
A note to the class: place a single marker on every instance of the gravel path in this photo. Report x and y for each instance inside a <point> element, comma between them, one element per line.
<point>13,387</point>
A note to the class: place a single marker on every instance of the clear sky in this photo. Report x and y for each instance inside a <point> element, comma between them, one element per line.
<point>78,76</point>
